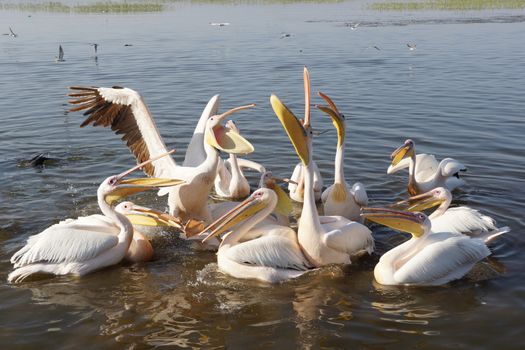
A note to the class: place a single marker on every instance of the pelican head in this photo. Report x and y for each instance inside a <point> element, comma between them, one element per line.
<point>139,215</point>
<point>338,119</point>
<point>299,132</point>
<point>248,208</point>
<point>415,223</point>
<point>407,149</point>
<point>426,200</point>
<point>224,138</point>
<point>116,187</point>
<point>284,204</point>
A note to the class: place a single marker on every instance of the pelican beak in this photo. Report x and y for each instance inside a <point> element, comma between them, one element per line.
<point>307,97</point>
<point>293,127</point>
<point>411,222</point>
<point>403,151</point>
<point>143,164</point>
<point>241,212</point>
<point>419,203</point>
<point>337,118</point>
<point>139,185</point>
<point>224,138</point>
<point>151,217</point>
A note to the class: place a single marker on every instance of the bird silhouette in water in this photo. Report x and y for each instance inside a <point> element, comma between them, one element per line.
<point>411,47</point>
<point>11,33</point>
<point>60,57</point>
<point>95,46</point>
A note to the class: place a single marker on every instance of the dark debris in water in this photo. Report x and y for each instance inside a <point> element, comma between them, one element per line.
<point>39,160</point>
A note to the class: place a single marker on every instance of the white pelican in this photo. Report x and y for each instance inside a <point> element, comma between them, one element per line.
<point>429,258</point>
<point>340,198</point>
<point>329,239</point>
<point>140,249</point>
<point>296,187</point>
<point>463,220</point>
<point>273,257</point>
<point>425,172</point>
<point>59,250</point>
<point>125,111</point>
<point>230,181</point>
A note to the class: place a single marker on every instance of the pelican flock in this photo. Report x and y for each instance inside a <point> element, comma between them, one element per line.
<point>256,238</point>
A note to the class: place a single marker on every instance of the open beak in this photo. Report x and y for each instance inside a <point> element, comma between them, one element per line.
<point>337,118</point>
<point>133,186</point>
<point>411,222</point>
<point>151,217</point>
<point>293,127</point>
<point>400,153</point>
<point>241,212</point>
<point>419,203</point>
<point>225,139</point>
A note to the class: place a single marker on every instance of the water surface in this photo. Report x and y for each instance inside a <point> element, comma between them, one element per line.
<point>460,94</point>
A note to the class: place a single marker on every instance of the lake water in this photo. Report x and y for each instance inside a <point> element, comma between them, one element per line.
<point>459,94</point>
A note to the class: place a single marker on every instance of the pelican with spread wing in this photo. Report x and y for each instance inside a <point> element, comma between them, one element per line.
<point>126,113</point>
<point>327,239</point>
<point>274,256</point>
<point>424,171</point>
<point>340,198</point>
<point>80,247</point>
<point>462,219</point>
<point>429,258</point>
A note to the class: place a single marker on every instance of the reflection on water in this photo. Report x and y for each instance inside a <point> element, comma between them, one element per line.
<point>458,95</point>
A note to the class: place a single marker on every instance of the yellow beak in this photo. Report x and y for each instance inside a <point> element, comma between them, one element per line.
<point>400,153</point>
<point>419,203</point>
<point>139,185</point>
<point>398,220</point>
<point>241,212</point>
<point>293,127</point>
<point>228,140</point>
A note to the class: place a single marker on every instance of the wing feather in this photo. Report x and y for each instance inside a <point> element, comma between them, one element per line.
<point>446,257</point>
<point>360,195</point>
<point>126,113</point>
<point>64,243</point>
<point>350,239</point>
<point>269,251</point>
<point>464,220</point>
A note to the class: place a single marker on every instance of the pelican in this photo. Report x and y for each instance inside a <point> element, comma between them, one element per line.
<point>140,249</point>
<point>340,198</point>
<point>463,220</point>
<point>125,111</point>
<point>60,57</point>
<point>429,258</point>
<point>425,172</point>
<point>233,184</point>
<point>59,250</point>
<point>296,187</point>
<point>273,257</point>
<point>327,239</point>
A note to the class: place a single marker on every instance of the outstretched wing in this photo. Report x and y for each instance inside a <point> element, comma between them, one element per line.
<point>125,112</point>
<point>270,251</point>
<point>195,153</point>
<point>60,243</point>
<point>446,257</point>
<point>353,238</point>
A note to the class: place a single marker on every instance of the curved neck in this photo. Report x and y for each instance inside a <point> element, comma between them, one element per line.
<point>412,185</point>
<point>211,162</point>
<point>339,173</point>
<point>235,169</point>
<point>309,216</point>
<point>441,209</point>
<point>126,228</point>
